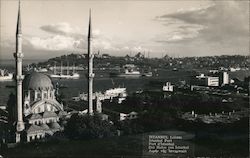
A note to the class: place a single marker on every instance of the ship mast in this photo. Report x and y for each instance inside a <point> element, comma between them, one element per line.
<point>61,69</point>
<point>67,67</point>
<point>55,67</point>
<point>73,68</point>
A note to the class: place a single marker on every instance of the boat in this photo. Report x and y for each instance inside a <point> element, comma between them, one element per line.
<point>147,74</point>
<point>175,69</point>
<point>5,75</point>
<point>129,70</point>
<point>130,73</point>
<point>109,94</point>
<point>115,92</point>
<point>41,70</point>
<point>72,75</point>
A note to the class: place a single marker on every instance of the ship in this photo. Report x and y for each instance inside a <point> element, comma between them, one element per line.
<point>119,93</point>
<point>72,75</point>
<point>62,76</point>
<point>41,70</point>
<point>5,75</point>
<point>130,73</point>
<point>147,73</point>
<point>115,92</point>
<point>175,69</point>
<point>129,70</point>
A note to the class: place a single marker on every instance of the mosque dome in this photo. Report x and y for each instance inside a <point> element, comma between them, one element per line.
<point>37,81</point>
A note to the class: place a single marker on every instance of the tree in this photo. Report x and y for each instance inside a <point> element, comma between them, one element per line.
<point>88,127</point>
<point>130,126</point>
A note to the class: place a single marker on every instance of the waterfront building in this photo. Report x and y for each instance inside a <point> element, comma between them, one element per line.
<point>223,78</point>
<point>212,81</point>
<point>203,80</point>
<point>168,87</point>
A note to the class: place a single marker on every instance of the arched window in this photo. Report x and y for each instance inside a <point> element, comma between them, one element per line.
<point>32,96</point>
<point>39,95</point>
<point>26,93</point>
<point>48,107</point>
<point>45,95</point>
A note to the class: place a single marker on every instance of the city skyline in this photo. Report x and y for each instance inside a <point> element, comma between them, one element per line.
<point>186,28</point>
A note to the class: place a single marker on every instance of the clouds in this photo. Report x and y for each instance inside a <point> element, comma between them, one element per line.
<point>222,27</point>
<point>218,21</point>
<point>185,28</point>
<point>179,29</point>
<point>65,37</point>
<point>61,28</point>
<point>61,36</point>
<point>180,32</point>
<point>191,15</point>
<point>57,42</point>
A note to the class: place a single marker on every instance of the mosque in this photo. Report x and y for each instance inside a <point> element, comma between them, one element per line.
<point>41,110</point>
<point>37,112</point>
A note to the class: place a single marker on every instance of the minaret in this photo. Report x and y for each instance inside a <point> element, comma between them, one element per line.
<point>19,77</point>
<point>90,68</point>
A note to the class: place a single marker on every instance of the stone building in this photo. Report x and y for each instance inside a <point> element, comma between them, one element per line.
<point>41,110</point>
<point>36,112</point>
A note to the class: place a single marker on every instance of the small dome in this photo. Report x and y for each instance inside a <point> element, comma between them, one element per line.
<point>34,129</point>
<point>49,114</point>
<point>54,125</point>
<point>45,126</point>
<point>37,81</point>
<point>34,117</point>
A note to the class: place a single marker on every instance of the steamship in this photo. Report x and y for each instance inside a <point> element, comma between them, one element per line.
<point>72,75</point>
<point>5,75</point>
<point>129,70</point>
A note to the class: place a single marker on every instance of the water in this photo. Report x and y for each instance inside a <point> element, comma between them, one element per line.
<point>102,82</point>
<point>11,62</point>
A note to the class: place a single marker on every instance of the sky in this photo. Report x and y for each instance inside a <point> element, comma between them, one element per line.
<point>177,28</point>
